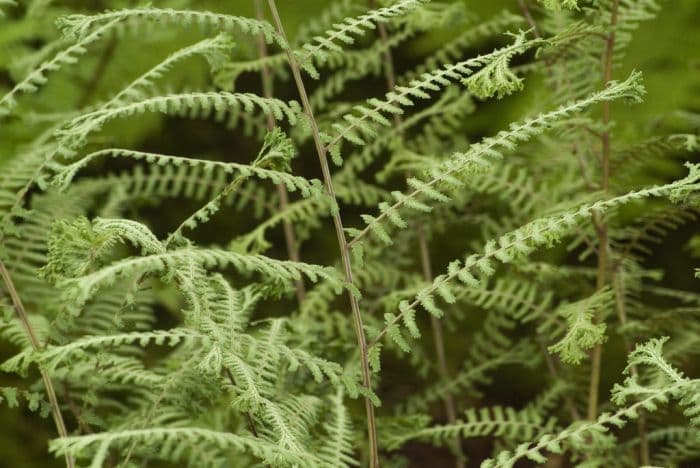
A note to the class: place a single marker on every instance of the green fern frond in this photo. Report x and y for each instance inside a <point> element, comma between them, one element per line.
<point>64,175</point>
<point>448,173</point>
<point>338,446</point>
<point>560,4</point>
<point>361,123</point>
<point>77,27</point>
<point>80,289</point>
<point>97,445</point>
<point>493,421</point>
<point>191,105</point>
<point>541,232</point>
<point>214,50</point>
<point>64,58</point>
<point>342,33</point>
<point>582,333</point>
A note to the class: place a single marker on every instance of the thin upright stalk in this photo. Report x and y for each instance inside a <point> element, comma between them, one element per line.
<point>601,226</point>
<point>528,17</point>
<point>268,91</point>
<point>36,346</point>
<point>249,417</point>
<point>436,325</point>
<point>554,372</point>
<point>439,342</point>
<point>619,288</point>
<point>342,240</point>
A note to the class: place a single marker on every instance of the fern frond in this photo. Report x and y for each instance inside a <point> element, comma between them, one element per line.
<point>98,444</point>
<point>523,241</point>
<point>337,448</point>
<point>52,356</point>
<point>80,289</point>
<point>191,105</point>
<point>37,77</point>
<point>447,173</point>
<point>308,188</point>
<point>584,436</point>
<point>214,50</point>
<point>78,27</point>
<point>362,121</point>
<point>343,32</point>
<point>583,334</point>
<point>493,421</point>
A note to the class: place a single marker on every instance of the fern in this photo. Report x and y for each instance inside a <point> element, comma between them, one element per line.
<point>448,173</point>
<point>80,26</point>
<point>38,77</point>
<point>192,105</point>
<point>171,288</point>
<point>496,421</point>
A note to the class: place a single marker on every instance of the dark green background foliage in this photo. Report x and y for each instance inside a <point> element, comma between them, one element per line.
<point>665,49</point>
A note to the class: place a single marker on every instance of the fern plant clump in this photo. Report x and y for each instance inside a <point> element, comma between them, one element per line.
<point>386,233</point>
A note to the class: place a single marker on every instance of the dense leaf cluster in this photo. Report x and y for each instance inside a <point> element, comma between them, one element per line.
<point>182,306</point>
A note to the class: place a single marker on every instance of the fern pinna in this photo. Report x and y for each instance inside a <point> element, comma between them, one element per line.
<point>320,262</point>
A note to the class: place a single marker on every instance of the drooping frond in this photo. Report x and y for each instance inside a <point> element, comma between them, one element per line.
<point>585,436</point>
<point>360,124</point>
<point>582,333</point>
<point>488,421</point>
<point>342,33</point>
<point>446,175</point>
<point>215,50</point>
<point>521,242</point>
<point>220,106</point>
<point>38,76</point>
<point>98,445</point>
<point>79,26</point>
<point>65,174</point>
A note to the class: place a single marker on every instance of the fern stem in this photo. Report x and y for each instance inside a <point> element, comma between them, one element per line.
<point>528,17</point>
<point>554,372</point>
<point>443,372</point>
<point>248,416</point>
<point>91,86</point>
<point>601,226</point>
<point>342,241</point>
<point>36,346</point>
<point>435,324</point>
<point>619,290</point>
<point>219,198</point>
<point>268,88</point>
<point>511,243</point>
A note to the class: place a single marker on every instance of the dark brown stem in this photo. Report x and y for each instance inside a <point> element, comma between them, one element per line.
<point>436,325</point>
<point>36,346</point>
<point>248,416</point>
<point>342,241</point>
<point>104,60</point>
<point>528,17</point>
<point>554,372</point>
<point>75,409</point>
<point>619,288</point>
<point>268,88</point>
<point>601,226</point>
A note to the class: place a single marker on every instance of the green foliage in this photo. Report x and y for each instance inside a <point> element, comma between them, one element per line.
<point>559,4</point>
<point>507,206</point>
